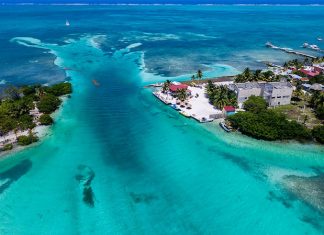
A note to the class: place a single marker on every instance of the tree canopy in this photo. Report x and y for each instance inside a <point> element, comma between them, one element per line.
<point>220,96</point>
<point>17,103</point>
<point>255,104</point>
<point>268,125</point>
<point>253,76</point>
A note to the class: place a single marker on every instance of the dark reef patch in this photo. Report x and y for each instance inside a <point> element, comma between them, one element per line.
<point>85,176</point>
<point>316,222</point>
<point>146,198</point>
<point>14,173</point>
<point>318,170</point>
<point>239,161</point>
<point>285,200</point>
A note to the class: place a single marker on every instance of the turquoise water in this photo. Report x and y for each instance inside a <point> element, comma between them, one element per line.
<point>155,172</point>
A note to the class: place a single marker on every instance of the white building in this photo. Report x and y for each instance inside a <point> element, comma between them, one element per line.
<point>275,93</point>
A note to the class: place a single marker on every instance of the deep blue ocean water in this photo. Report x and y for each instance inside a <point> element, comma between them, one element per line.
<point>155,172</point>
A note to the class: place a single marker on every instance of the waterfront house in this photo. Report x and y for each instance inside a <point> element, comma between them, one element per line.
<point>275,93</point>
<point>228,110</point>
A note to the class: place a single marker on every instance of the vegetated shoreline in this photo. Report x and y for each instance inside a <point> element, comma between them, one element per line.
<point>271,124</point>
<point>280,123</point>
<point>50,100</point>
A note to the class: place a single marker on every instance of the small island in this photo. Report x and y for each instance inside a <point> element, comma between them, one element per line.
<point>23,109</point>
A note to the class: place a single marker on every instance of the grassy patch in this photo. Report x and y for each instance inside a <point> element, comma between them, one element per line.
<point>300,113</point>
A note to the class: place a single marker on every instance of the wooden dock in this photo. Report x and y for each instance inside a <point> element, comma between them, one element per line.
<point>290,51</point>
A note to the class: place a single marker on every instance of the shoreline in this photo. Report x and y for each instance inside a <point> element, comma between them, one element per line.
<point>214,79</point>
<point>41,131</point>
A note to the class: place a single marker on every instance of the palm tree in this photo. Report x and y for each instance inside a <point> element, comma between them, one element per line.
<point>268,76</point>
<point>258,75</point>
<point>221,102</point>
<point>182,94</point>
<point>199,74</point>
<point>247,73</point>
<point>166,86</point>
<point>193,77</point>
<point>285,65</point>
<point>239,78</point>
<point>210,88</point>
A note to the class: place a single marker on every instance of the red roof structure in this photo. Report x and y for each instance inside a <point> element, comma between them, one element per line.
<point>229,108</point>
<point>175,88</point>
<point>309,73</point>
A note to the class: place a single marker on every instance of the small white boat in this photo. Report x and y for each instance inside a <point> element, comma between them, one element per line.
<point>67,23</point>
<point>269,44</point>
<point>320,39</point>
<point>225,127</point>
<point>314,47</point>
<point>305,45</point>
<point>287,49</point>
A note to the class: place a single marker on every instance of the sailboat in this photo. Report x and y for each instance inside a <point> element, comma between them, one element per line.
<point>67,23</point>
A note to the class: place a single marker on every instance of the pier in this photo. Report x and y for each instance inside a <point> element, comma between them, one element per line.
<point>290,51</point>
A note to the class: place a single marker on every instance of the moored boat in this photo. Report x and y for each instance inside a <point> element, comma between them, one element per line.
<point>269,44</point>
<point>314,47</point>
<point>225,127</point>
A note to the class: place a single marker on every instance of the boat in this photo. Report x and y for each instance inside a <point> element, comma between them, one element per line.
<point>95,82</point>
<point>287,49</point>
<point>225,127</point>
<point>269,44</point>
<point>314,47</point>
<point>320,39</point>
<point>67,23</point>
<point>305,45</point>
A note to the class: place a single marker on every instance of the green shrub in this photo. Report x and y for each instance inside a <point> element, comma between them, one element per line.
<point>46,119</point>
<point>48,103</point>
<point>268,125</point>
<point>318,133</point>
<point>27,139</point>
<point>59,89</point>
<point>255,104</point>
<point>7,147</point>
<point>28,90</point>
